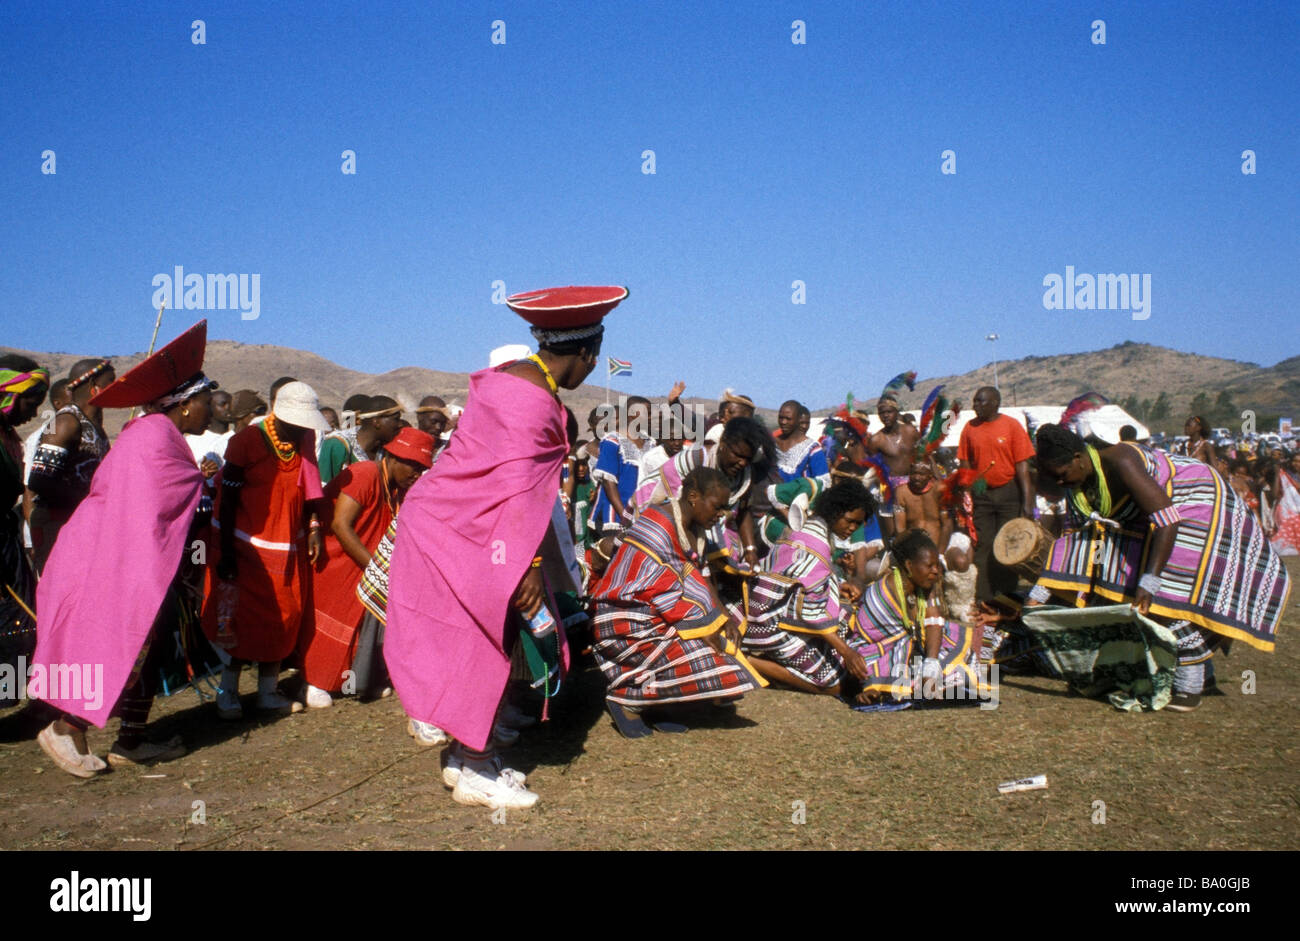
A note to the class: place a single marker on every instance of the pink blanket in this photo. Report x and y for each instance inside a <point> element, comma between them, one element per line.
<point>110,568</point>
<point>467,532</point>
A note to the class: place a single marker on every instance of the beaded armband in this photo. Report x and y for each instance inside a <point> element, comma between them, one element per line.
<point>49,459</point>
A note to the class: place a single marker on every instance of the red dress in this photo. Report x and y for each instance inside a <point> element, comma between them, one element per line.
<point>273,576</point>
<point>327,646</point>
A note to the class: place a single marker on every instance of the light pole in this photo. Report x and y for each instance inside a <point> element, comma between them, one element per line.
<point>992,338</point>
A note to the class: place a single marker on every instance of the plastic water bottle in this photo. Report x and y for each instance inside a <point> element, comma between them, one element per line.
<point>227,601</point>
<point>541,624</point>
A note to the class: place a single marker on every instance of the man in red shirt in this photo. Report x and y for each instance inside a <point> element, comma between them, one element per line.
<point>998,449</point>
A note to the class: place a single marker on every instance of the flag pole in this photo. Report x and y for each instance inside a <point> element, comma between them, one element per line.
<point>609,368</point>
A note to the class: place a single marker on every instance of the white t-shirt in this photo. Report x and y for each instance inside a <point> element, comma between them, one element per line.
<point>210,444</point>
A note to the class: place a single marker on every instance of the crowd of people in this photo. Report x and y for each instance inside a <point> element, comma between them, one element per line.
<point>472,560</point>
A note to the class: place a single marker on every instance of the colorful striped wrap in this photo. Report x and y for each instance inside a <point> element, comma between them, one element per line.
<point>797,595</point>
<point>879,632</point>
<point>653,609</point>
<point>1222,575</point>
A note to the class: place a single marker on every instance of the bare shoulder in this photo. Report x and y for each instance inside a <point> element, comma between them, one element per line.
<point>66,429</point>
<point>526,370</point>
<point>1120,455</point>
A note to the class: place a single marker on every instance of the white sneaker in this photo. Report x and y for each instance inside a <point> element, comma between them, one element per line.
<point>63,751</point>
<point>513,717</point>
<point>479,786</point>
<point>504,736</point>
<point>452,764</point>
<point>426,733</point>
<point>318,698</point>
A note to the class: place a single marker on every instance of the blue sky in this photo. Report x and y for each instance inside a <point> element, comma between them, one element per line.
<point>775,162</point>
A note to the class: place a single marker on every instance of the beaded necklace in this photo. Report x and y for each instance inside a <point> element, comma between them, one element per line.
<point>1080,497</point>
<point>386,486</point>
<point>284,451</point>
<point>550,380</point>
<point>914,629</point>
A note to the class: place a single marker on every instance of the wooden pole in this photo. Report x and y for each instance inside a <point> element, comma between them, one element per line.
<point>156,324</point>
<point>137,412</point>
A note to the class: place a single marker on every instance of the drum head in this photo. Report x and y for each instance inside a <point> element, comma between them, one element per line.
<point>1018,541</point>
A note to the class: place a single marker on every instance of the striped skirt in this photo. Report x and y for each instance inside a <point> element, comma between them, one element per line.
<point>890,654</point>
<point>646,662</point>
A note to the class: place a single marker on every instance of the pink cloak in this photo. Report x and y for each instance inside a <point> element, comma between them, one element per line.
<point>110,569</point>
<point>467,533</point>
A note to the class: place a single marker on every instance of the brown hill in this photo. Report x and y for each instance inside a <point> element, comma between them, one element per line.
<point>1134,374</point>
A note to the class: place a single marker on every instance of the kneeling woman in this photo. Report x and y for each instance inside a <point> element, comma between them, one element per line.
<point>660,631</point>
<point>364,497</point>
<point>793,634</point>
<point>900,619</point>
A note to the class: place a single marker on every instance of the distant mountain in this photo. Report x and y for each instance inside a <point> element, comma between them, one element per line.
<point>1138,373</point>
<point>1139,370</point>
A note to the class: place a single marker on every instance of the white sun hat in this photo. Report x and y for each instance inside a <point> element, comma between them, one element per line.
<point>508,354</point>
<point>297,404</point>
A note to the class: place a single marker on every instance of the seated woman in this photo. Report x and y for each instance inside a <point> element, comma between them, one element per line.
<point>900,618</point>
<point>364,496</point>
<point>660,631</point>
<point>1168,535</point>
<point>793,631</point>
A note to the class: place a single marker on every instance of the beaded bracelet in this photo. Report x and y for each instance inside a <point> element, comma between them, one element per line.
<point>1150,583</point>
<point>1040,594</point>
<point>537,562</point>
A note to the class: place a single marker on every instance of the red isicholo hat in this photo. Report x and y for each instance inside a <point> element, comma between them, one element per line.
<point>176,369</point>
<point>568,313</point>
<point>412,444</point>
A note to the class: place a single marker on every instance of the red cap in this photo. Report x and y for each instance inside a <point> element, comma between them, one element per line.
<point>566,308</point>
<point>163,372</point>
<point>412,444</point>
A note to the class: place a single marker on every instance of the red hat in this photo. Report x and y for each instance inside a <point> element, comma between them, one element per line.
<point>176,369</point>
<point>576,310</point>
<point>412,444</point>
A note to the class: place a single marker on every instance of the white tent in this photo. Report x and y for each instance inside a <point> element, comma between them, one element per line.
<point>1104,422</point>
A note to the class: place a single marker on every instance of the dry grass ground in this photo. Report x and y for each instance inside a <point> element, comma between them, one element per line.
<point>1222,777</point>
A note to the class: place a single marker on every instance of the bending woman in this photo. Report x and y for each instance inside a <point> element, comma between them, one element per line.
<point>364,498</point>
<point>1169,535</point>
